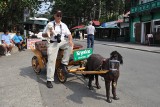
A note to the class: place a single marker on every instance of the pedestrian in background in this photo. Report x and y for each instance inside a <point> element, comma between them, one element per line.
<point>7,42</point>
<point>80,35</point>
<point>90,35</point>
<point>56,30</point>
<point>77,35</point>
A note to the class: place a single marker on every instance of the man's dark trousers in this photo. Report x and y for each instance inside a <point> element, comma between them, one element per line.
<point>90,41</point>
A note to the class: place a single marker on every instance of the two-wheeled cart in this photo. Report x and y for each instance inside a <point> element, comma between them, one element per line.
<point>77,59</point>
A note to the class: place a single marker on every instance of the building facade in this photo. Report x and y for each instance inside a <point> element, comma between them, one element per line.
<point>144,20</point>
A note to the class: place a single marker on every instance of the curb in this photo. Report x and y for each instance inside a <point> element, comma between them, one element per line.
<point>132,48</point>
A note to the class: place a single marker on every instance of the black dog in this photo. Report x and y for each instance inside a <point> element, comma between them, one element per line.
<point>96,63</point>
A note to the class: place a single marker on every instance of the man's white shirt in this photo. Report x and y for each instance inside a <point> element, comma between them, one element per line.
<point>61,29</point>
<point>90,29</point>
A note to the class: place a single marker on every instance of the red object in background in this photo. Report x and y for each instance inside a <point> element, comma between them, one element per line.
<point>78,27</point>
<point>97,23</point>
<point>119,21</point>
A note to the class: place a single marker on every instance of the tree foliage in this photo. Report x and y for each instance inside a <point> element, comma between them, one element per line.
<point>75,12</point>
<point>81,11</point>
<point>11,11</point>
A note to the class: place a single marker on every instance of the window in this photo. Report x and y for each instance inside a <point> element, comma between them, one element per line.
<point>156,26</point>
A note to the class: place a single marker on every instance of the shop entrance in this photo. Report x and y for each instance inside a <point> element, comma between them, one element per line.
<point>137,32</point>
<point>147,29</point>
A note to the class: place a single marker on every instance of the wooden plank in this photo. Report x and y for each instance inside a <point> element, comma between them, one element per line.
<point>76,69</point>
<point>72,70</point>
<point>82,68</point>
<point>88,72</point>
<point>81,71</point>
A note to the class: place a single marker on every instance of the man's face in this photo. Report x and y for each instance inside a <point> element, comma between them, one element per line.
<point>7,32</point>
<point>58,17</point>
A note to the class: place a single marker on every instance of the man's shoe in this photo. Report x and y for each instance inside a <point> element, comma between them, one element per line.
<point>49,84</point>
<point>6,54</point>
<point>9,53</point>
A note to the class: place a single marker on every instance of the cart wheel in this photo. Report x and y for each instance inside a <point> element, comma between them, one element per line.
<point>35,65</point>
<point>62,76</point>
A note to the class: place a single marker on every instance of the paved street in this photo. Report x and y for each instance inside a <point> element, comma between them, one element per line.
<point>18,82</point>
<point>138,84</point>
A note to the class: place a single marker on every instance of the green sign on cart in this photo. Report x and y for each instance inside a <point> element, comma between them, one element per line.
<point>82,54</point>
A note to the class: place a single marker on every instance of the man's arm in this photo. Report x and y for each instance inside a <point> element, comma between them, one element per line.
<point>20,38</point>
<point>68,33</point>
<point>70,40</point>
<point>11,41</point>
<point>3,40</point>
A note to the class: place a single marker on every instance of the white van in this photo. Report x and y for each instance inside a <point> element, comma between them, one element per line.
<point>35,20</point>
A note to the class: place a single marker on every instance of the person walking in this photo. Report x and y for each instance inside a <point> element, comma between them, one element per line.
<point>60,38</point>
<point>90,35</point>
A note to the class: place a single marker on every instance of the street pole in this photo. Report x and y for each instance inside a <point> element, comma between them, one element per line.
<point>25,14</point>
<point>94,11</point>
<point>24,30</point>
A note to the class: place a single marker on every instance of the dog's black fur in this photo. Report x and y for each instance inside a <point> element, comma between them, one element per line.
<point>95,63</point>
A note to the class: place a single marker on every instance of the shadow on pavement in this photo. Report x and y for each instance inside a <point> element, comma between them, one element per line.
<point>80,91</point>
<point>29,72</point>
